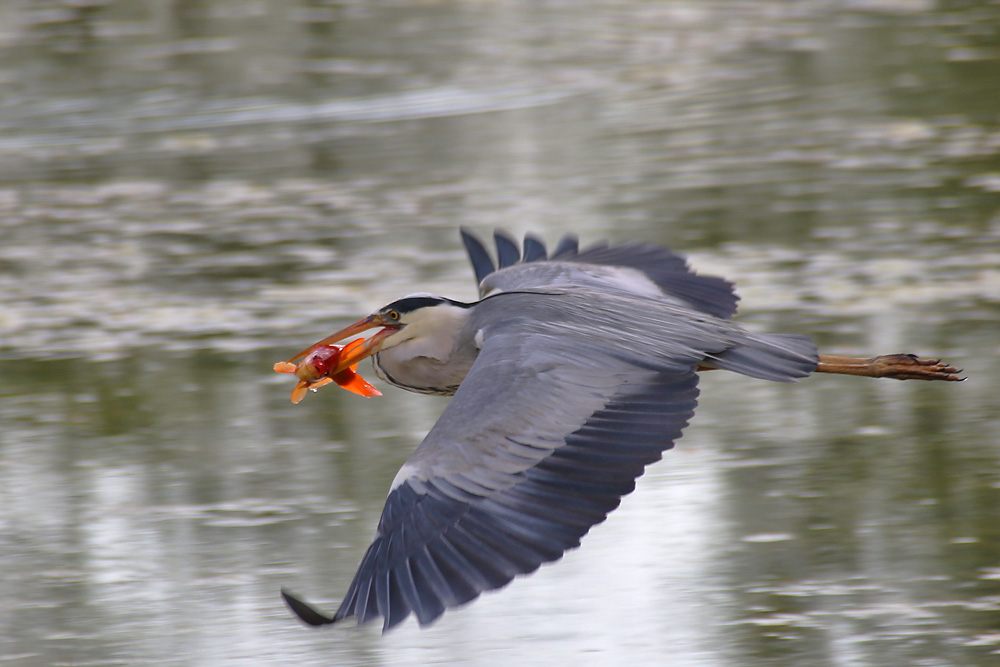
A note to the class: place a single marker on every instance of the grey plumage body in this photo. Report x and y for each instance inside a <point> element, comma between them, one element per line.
<point>665,331</point>
<point>551,421</point>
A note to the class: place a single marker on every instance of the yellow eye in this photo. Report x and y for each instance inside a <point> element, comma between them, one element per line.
<point>393,315</point>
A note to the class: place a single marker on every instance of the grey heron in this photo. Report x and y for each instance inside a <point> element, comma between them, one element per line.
<point>573,372</point>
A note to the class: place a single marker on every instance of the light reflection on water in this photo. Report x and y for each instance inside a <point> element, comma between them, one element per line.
<point>190,191</point>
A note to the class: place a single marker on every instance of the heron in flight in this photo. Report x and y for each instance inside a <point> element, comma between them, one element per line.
<point>573,372</point>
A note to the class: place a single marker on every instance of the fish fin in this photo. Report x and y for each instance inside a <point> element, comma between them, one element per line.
<point>353,382</point>
<point>357,342</point>
<point>300,391</point>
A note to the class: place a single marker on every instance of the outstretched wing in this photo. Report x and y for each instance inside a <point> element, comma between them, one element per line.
<point>540,443</point>
<point>633,267</point>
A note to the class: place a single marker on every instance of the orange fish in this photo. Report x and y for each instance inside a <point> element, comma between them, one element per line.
<point>314,371</point>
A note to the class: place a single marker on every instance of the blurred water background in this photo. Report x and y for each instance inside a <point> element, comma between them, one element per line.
<point>191,190</point>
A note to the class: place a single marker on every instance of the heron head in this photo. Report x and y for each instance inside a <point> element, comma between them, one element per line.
<point>412,317</point>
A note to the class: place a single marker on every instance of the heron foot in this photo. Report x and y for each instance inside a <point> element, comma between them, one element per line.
<point>895,366</point>
<point>912,367</point>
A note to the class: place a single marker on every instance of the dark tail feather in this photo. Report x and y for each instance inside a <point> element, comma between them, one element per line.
<point>777,357</point>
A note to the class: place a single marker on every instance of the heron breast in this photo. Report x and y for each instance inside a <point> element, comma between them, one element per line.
<point>418,374</point>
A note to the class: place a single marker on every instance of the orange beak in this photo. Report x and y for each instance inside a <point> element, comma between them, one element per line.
<point>353,356</point>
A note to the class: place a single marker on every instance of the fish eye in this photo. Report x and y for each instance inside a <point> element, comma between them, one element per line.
<point>393,315</point>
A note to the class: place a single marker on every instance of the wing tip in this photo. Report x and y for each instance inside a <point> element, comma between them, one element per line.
<point>508,252</point>
<point>482,263</point>
<point>534,248</point>
<point>305,611</point>
<point>568,246</point>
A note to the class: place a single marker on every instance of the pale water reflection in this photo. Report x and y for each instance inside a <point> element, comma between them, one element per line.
<point>192,190</point>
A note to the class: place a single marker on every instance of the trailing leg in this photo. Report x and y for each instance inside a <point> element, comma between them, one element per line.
<point>896,366</point>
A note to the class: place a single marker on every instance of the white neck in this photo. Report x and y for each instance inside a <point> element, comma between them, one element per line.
<point>422,356</point>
